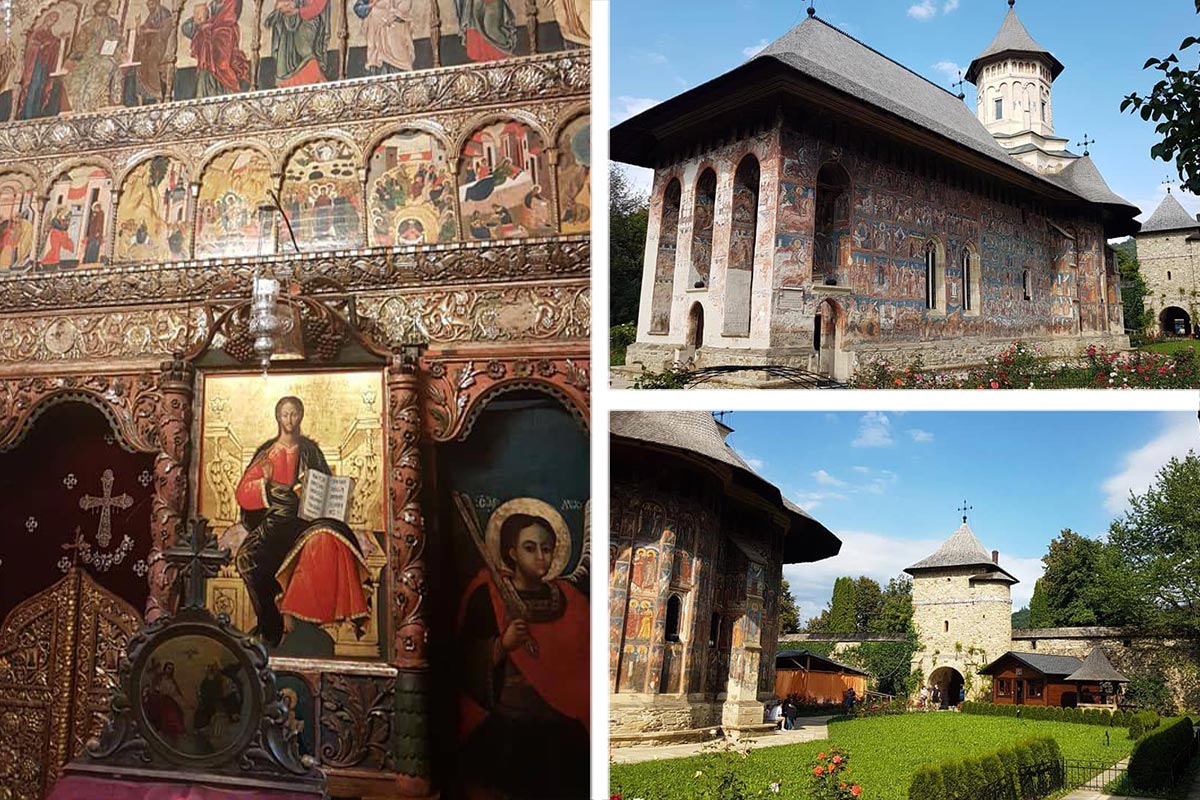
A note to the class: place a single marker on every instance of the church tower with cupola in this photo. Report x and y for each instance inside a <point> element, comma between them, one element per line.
<point>1014,78</point>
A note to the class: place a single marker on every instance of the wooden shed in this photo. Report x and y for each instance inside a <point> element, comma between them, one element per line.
<point>816,678</point>
<point>1037,679</point>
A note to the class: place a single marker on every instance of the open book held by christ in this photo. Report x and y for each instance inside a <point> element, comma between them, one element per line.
<point>326,496</point>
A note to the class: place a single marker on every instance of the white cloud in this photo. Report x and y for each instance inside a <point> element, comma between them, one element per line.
<point>756,464</point>
<point>624,107</point>
<point>810,500</point>
<point>874,430</point>
<point>882,558</point>
<point>924,10</point>
<point>863,470</point>
<point>882,481</point>
<point>656,58</point>
<point>755,49</point>
<point>825,479</point>
<point>949,6</point>
<point>948,68</point>
<point>1177,437</point>
<point>919,436</point>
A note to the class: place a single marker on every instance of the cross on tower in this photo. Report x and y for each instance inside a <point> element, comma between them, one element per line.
<point>106,504</point>
<point>961,94</point>
<point>1086,143</point>
<point>197,560</point>
<point>965,508</point>
<point>1169,182</point>
<point>812,12</point>
<point>1012,3</point>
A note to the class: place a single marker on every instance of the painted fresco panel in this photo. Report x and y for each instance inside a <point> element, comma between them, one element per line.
<point>152,217</point>
<point>306,588</point>
<point>154,41</point>
<point>18,221</point>
<point>10,71</point>
<point>228,220</point>
<point>482,30</point>
<point>93,78</point>
<point>322,196</point>
<point>77,215</point>
<point>388,36</point>
<point>410,192</point>
<point>574,18</point>
<point>299,47</point>
<point>215,48</point>
<point>504,183</point>
<point>47,47</point>
<point>574,176</point>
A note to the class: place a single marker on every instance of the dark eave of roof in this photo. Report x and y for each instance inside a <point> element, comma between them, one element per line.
<point>1049,665</point>
<point>821,661</point>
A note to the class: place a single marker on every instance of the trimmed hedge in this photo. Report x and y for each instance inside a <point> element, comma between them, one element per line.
<point>1151,766</point>
<point>1148,720</point>
<point>966,778</point>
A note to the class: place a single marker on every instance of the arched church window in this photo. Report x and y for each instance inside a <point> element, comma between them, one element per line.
<point>971,281</point>
<point>739,280</point>
<point>833,204</point>
<point>674,613</point>
<point>1168,274</point>
<point>714,629</point>
<point>946,623</point>
<point>999,108</point>
<point>1027,284</point>
<point>703,212</point>
<point>664,263</point>
<point>935,277</point>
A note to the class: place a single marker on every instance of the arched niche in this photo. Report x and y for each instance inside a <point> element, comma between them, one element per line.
<point>153,216</point>
<point>739,280</point>
<point>235,214</point>
<point>322,196</point>
<point>76,220</point>
<point>504,183</point>
<point>832,222</point>
<point>410,191</point>
<point>664,259</point>
<point>574,176</point>
<point>703,214</point>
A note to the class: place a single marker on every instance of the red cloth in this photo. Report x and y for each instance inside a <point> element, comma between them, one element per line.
<point>216,46</point>
<point>560,670</point>
<point>480,49</point>
<point>57,241</point>
<point>251,491</point>
<point>309,73</point>
<point>325,584</point>
<point>83,787</point>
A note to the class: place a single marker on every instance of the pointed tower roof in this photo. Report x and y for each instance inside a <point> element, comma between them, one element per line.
<point>1097,669</point>
<point>963,549</point>
<point>1170,216</point>
<point>1082,177</point>
<point>1014,39</point>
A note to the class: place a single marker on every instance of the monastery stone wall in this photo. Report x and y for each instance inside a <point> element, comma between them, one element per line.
<point>1160,253</point>
<point>961,625</point>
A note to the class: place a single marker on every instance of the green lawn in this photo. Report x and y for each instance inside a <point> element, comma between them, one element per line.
<point>884,754</point>
<point>1170,346</point>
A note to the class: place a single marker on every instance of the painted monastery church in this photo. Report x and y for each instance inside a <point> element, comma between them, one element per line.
<point>822,204</point>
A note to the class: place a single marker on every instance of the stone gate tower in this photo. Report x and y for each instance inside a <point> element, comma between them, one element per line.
<point>962,610</point>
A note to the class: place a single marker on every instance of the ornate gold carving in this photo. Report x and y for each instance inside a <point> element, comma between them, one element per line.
<point>362,270</point>
<point>459,387</point>
<point>468,87</point>
<point>407,526</point>
<point>173,426</point>
<point>97,335</point>
<point>356,721</point>
<point>58,658</point>
<point>129,401</point>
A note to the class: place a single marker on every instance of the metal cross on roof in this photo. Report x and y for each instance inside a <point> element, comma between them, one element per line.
<point>1169,182</point>
<point>1012,3</point>
<point>1086,143</point>
<point>812,12</point>
<point>197,560</point>
<point>965,508</point>
<point>961,94</point>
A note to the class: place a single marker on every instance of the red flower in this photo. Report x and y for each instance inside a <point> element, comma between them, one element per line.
<point>820,756</point>
<point>856,790</point>
<point>818,771</point>
<point>837,759</point>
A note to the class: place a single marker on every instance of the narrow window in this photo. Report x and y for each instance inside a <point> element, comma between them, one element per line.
<point>999,108</point>
<point>947,626</point>
<point>1043,111</point>
<point>714,629</point>
<point>1027,284</point>
<point>1168,274</point>
<point>931,275</point>
<point>966,279</point>
<point>673,614</point>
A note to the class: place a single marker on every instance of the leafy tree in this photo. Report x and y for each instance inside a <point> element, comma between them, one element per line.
<point>1174,103</point>
<point>1152,568</point>
<point>628,215</point>
<point>1067,592</point>
<point>1020,619</point>
<point>1133,288</point>
<point>842,618</point>
<point>789,612</point>
<point>895,615</point>
<point>868,603</point>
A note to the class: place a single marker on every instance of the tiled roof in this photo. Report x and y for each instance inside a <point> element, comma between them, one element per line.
<point>1045,664</point>
<point>1170,216</point>
<point>1097,668</point>
<point>1013,38</point>
<point>962,549</point>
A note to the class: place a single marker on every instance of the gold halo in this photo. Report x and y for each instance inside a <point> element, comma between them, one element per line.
<point>534,508</point>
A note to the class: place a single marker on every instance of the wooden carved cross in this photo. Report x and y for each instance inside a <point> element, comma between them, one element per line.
<point>197,560</point>
<point>106,504</point>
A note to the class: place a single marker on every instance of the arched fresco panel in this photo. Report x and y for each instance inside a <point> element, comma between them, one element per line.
<point>78,212</point>
<point>410,191</point>
<point>388,36</point>
<point>18,221</point>
<point>47,45</point>
<point>152,216</point>
<point>322,196</point>
<point>298,43</point>
<point>574,173</point>
<point>214,48</point>
<point>228,219</point>
<point>154,44</point>
<point>503,183</point>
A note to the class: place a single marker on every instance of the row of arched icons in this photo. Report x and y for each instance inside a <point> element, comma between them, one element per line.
<point>331,194</point>
<point>88,55</point>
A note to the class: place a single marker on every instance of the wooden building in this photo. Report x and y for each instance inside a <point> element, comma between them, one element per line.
<point>814,678</point>
<point>1037,679</point>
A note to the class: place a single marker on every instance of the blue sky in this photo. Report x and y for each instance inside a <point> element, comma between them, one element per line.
<point>661,48</point>
<point>889,483</point>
